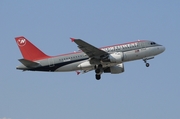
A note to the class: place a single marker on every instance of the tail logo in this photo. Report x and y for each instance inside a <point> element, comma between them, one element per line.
<point>21,42</point>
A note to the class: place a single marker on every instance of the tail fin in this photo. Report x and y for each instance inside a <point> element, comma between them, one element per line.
<point>28,50</point>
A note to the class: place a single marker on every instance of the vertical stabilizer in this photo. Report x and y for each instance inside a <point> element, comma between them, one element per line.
<point>28,50</point>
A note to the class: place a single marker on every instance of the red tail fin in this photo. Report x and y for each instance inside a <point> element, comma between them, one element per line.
<point>28,50</point>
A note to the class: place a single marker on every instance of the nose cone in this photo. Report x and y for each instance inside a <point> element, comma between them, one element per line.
<point>161,49</point>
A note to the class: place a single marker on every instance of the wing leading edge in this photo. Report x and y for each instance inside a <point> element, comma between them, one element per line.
<point>90,50</point>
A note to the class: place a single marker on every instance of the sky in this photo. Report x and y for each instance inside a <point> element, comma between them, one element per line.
<point>138,93</point>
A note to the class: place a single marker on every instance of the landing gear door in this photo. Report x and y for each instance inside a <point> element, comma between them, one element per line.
<point>51,62</point>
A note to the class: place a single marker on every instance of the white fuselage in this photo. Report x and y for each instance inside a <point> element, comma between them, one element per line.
<point>80,61</point>
<point>109,59</point>
<point>135,52</point>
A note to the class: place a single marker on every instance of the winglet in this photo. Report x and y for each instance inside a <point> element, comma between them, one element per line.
<point>72,39</point>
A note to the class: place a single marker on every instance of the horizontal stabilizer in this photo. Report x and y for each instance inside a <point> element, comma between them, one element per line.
<point>29,63</point>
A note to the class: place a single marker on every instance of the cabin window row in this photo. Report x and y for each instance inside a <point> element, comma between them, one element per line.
<point>120,48</point>
<point>74,57</point>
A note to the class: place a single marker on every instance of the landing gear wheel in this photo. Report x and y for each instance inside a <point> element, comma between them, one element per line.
<point>147,64</point>
<point>98,77</point>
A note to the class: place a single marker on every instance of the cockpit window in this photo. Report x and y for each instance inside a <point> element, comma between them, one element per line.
<point>153,43</point>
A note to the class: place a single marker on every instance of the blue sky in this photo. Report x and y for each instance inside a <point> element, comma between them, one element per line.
<point>138,93</point>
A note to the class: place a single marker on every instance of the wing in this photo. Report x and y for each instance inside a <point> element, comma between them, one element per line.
<point>89,49</point>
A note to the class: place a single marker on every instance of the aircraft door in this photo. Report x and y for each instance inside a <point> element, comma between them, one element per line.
<point>143,46</point>
<point>51,62</point>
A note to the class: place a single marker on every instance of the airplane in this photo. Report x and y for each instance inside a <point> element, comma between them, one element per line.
<point>109,59</point>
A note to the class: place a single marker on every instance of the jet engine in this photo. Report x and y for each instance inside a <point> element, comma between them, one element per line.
<point>119,68</point>
<point>116,57</point>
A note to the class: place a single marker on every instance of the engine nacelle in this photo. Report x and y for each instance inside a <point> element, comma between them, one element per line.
<point>119,68</point>
<point>116,57</point>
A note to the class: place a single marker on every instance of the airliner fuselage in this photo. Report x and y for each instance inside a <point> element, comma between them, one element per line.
<point>108,59</point>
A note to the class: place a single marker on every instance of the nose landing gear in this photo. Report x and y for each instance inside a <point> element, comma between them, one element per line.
<point>147,64</point>
<point>145,60</point>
